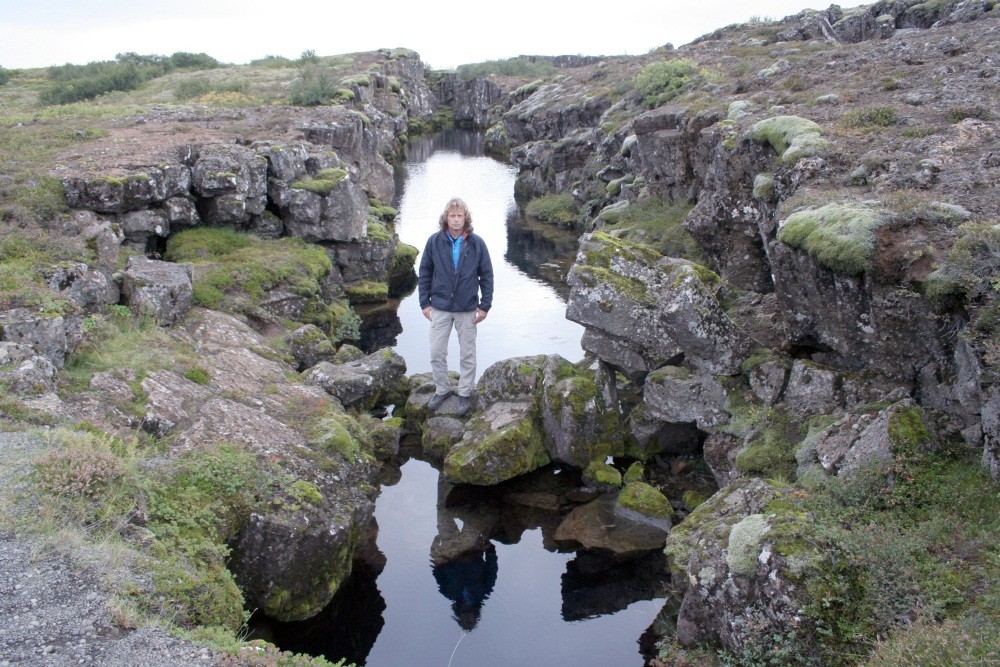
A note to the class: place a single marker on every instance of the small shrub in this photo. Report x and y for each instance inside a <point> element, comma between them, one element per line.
<point>78,471</point>
<point>4,76</point>
<point>662,81</point>
<point>308,57</point>
<point>198,375</point>
<point>870,117</point>
<point>957,114</point>
<point>274,62</point>
<point>312,88</point>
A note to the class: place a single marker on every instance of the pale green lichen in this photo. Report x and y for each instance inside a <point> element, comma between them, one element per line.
<point>791,137</point>
<point>744,544</point>
<point>840,236</point>
<point>763,187</point>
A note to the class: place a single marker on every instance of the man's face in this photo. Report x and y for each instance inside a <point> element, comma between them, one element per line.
<point>456,221</point>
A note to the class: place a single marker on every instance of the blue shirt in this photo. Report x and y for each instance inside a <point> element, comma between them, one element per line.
<point>456,249</point>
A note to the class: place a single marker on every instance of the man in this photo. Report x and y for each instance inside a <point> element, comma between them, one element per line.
<point>455,290</point>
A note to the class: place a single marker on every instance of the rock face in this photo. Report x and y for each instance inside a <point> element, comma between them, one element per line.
<point>658,308</point>
<point>377,379</point>
<point>160,289</point>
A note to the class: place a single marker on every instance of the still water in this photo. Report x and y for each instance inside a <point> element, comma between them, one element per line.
<point>467,577</point>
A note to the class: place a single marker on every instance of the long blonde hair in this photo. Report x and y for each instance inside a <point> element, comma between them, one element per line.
<point>454,203</point>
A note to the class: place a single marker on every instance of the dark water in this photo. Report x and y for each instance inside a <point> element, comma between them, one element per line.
<point>474,577</point>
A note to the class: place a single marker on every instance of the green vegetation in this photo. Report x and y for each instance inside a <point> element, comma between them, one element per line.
<point>117,340</point>
<point>665,80</point>
<point>127,71</point>
<point>200,87</point>
<point>869,118</point>
<point>791,137</point>
<point>601,474</point>
<point>235,271</point>
<point>520,66</point>
<point>646,500</point>
<point>23,258</point>
<point>4,76</point>
<point>557,209</point>
<point>840,236</point>
<point>367,291</point>
<point>957,114</point>
<point>659,225</point>
<point>315,87</point>
<point>322,183</point>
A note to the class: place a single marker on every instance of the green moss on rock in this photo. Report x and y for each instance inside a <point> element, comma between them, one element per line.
<point>322,183</point>
<point>840,236</point>
<point>493,457</point>
<point>635,473</point>
<point>602,475</point>
<point>367,291</point>
<point>646,500</point>
<point>791,137</point>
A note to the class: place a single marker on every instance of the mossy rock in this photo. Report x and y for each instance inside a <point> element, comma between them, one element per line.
<point>840,236</point>
<point>791,137</point>
<point>602,476</point>
<point>322,183</point>
<point>499,444</point>
<point>643,502</point>
<point>635,473</point>
<point>367,291</point>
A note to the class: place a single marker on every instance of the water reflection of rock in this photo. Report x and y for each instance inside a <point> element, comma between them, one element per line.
<point>466,142</point>
<point>621,562</point>
<point>357,605</point>
<point>597,583</point>
<point>541,251</point>
<point>380,325</point>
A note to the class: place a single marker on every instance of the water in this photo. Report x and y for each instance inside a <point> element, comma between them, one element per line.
<point>515,596</point>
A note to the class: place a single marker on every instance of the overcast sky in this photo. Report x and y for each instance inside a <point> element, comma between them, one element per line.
<point>446,33</point>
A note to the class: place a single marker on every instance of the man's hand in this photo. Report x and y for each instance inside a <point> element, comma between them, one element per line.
<point>427,313</point>
<point>480,316</point>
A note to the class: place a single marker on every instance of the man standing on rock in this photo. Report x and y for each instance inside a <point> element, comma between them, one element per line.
<point>454,270</point>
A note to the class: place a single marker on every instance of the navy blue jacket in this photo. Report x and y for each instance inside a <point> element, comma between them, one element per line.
<point>444,288</point>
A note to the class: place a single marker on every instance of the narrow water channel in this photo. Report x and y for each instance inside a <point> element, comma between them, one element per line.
<point>463,577</point>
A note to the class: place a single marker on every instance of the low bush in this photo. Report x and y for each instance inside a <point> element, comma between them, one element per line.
<point>312,88</point>
<point>868,118</point>
<point>520,66</point>
<point>662,81</point>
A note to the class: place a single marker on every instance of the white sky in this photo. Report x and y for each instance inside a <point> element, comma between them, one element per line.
<point>446,33</point>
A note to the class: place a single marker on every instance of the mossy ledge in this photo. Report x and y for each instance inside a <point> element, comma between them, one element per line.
<point>840,236</point>
<point>791,136</point>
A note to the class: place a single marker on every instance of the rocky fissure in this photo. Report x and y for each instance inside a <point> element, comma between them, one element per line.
<point>835,316</point>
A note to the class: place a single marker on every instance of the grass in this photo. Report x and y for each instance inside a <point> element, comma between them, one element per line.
<point>118,340</point>
<point>556,209</point>
<point>23,257</point>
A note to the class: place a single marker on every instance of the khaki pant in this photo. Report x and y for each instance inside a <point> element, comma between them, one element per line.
<point>441,323</point>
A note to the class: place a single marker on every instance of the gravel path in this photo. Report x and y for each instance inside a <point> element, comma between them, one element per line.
<point>53,607</point>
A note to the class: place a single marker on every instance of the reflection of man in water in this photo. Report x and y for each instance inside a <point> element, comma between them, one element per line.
<point>467,581</point>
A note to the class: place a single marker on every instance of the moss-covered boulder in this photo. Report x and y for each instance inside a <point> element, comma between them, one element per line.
<point>580,426</point>
<point>602,476</point>
<point>743,558</point>
<point>500,443</point>
<point>644,503</point>
<point>659,307</point>
<point>308,345</point>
